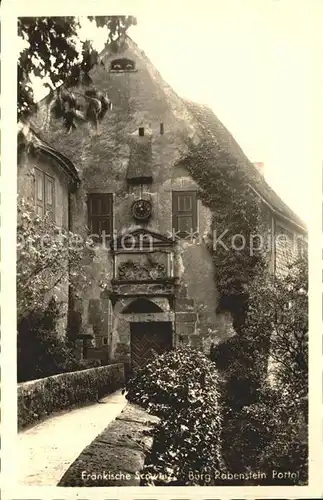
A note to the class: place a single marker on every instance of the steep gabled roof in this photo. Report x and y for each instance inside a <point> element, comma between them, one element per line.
<point>213,127</point>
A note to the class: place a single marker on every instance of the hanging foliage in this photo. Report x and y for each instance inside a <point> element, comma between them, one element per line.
<point>74,107</point>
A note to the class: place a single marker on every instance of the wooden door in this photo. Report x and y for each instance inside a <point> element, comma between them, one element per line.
<point>147,339</point>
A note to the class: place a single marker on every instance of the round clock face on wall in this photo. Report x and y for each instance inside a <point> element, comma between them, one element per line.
<point>141,210</point>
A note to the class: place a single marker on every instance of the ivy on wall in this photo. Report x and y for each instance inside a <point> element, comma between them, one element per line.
<point>224,187</point>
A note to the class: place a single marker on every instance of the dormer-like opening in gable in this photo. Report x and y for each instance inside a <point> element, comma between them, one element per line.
<point>123,65</point>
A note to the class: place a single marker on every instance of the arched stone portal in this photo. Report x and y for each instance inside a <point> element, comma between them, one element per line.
<point>143,327</point>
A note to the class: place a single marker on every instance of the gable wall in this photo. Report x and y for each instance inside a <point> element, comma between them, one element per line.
<point>140,99</point>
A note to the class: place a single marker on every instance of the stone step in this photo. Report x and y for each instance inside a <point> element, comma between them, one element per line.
<point>186,317</point>
<point>182,292</point>
<point>185,329</point>
<point>185,301</point>
<point>184,305</point>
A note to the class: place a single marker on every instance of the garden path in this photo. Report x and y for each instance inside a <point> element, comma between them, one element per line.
<point>47,449</point>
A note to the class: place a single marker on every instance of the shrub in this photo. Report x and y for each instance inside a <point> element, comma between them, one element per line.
<point>46,258</point>
<point>239,359</point>
<point>278,310</point>
<point>181,387</point>
<point>270,434</point>
<point>41,352</point>
<point>265,427</point>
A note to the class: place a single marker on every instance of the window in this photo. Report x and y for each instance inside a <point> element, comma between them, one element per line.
<point>100,213</point>
<point>184,213</point>
<point>122,65</point>
<point>44,194</point>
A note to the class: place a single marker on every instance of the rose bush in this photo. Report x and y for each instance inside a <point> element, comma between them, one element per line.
<point>48,259</point>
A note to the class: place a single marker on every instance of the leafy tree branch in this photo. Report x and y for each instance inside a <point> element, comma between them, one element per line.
<point>55,54</point>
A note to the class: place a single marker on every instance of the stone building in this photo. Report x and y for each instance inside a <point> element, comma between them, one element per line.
<point>147,290</point>
<point>46,180</point>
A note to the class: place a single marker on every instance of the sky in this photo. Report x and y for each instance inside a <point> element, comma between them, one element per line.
<point>256,63</point>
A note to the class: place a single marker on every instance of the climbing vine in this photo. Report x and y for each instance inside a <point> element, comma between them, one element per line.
<point>224,187</point>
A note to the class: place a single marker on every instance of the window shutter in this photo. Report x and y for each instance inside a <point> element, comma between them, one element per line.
<point>39,192</point>
<point>49,195</point>
<point>100,214</point>
<point>184,213</point>
<point>44,193</point>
